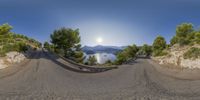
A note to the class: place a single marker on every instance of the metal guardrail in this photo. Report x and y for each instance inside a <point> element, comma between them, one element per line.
<point>85,67</point>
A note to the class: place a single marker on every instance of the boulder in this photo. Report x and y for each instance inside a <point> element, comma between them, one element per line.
<point>15,57</point>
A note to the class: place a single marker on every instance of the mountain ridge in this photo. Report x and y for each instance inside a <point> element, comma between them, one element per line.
<point>102,49</point>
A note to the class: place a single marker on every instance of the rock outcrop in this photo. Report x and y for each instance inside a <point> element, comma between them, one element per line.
<point>176,57</point>
<point>15,57</point>
<point>11,58</point>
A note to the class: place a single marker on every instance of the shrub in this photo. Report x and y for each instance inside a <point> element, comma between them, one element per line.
<point>92,60</point>
<point>20,47</point>
<point>121,57</point>
<point>159,45</point>
<point>192,53</point>
<point>126,54</point>
<point>173,41</point>
<point>197,37</point>
<point>159,53</point>
<point>145,50</point>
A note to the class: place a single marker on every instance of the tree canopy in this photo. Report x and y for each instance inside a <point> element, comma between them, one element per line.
<point>10,41</point>
<point>127,54</point>
<point>159,45</point>
<point>67,42</point>
<point>185,34</point>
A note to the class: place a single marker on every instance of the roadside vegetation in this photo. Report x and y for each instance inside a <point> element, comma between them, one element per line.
<point>159,45</point>
<point>126,55</point>
<point>66,42</point>
<point>91,60</point>
<point>185,35</point>
<point>145,50</point>
<point>192,53</point>
<point>10,41</point>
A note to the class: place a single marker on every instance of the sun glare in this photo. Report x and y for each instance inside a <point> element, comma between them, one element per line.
<point>99,40</point>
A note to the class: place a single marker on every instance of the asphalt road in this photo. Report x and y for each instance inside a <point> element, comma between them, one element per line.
<point>45,77</point>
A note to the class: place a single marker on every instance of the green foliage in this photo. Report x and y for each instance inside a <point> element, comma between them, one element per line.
<point>46,45</point>
<point>92,60</point>
<point>65,38</point>
<point>145,50</point>
<point>159,53</point>
<point>185,35</point>
<point>66,41</point>
<point>184,29</point>
<point>78,56</point>
<point>173,41</point>
<point>20,47</point>
<point>5,29</point>
<point>159,45</point>
<point>10,41</point>
<point>127,54</point>
<point>197,37</point>
<point>192,53</point>
<point>121,58</point>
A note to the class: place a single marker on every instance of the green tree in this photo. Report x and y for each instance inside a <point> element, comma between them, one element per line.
<point>121,58</point>
<point>184,34</point>
<point>197,37</point>
<point>92,60</point>
<point>127,54</point>
<point>174,40</point>
<point>5,29</point>
<point>145,50</point>
<point>159,45</point>
<point>67,42</point>
<point>46,45</point>
<point>184,29</point>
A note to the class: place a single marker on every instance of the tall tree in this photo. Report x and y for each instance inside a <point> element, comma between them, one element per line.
<point>67,41</point>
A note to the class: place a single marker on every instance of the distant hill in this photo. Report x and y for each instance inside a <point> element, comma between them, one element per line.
<point>102,49</point>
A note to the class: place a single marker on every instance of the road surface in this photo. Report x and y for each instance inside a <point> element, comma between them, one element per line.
<point>44,77</point>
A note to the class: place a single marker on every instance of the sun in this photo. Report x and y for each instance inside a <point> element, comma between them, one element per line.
<point>99,40</point>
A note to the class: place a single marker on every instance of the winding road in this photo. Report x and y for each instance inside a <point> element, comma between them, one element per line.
<point>46,77</point>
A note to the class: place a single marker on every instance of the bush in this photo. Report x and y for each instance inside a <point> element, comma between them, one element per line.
<point>126,54</point>
<point>197,37</point>
<point>192,53</point>
<point>121,57</point>
<point>159,53</point>
<point>145,50</point>
<point>22,47</point>
<point>19,47</point>
<point>159,45</point>
<point>92,60</point>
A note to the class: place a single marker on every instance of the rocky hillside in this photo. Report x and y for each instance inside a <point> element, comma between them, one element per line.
<point>178,56</point>
<point>13,46</point>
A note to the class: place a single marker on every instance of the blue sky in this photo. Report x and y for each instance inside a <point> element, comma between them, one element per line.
<point>117,22</point>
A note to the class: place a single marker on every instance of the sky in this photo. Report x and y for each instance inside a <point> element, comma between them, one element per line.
<point>114,22</point>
